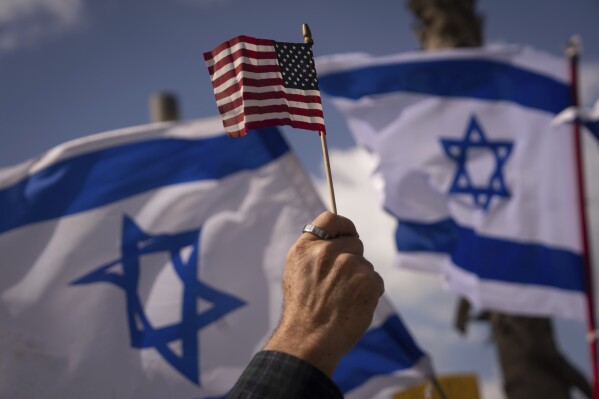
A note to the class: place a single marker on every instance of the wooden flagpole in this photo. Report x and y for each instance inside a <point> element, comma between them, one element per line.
<point>573,53</point>
<point>323,137</point>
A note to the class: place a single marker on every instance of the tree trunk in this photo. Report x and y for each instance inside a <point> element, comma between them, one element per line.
<point>530,361</point>
<point>447,23</point>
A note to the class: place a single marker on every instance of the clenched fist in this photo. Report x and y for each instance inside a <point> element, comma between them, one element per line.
<point>330,292</point>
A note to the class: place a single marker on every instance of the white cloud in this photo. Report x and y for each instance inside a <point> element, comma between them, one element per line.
<point>25,22</point>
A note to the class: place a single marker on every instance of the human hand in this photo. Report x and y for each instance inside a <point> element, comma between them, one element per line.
<point>330,293</point>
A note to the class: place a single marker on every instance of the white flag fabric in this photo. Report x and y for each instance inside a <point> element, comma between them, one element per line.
<point>468,162</point>
<point>146,263</point>
<point>588,117</point>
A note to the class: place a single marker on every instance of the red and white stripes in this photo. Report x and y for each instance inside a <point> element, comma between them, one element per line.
<point>250,91</point>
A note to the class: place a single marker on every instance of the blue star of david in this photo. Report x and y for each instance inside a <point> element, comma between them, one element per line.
<point>143,334</point>
<point>462,183</point>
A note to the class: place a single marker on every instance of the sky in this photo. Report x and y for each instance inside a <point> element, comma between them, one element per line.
<point>70,68</point>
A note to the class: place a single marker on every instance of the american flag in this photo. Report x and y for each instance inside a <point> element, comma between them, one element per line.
<point>260,82</point>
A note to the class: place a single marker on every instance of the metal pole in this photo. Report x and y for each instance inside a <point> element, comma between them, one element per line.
<point>573,53</point>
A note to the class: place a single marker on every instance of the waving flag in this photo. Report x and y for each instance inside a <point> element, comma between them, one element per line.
<point>589,118</point>
<point>260,82</point>
<point>384,361</point>
<point>481,183</point>
<point>146,263</point>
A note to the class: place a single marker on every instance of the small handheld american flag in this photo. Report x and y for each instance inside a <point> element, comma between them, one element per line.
<point>260,82</point>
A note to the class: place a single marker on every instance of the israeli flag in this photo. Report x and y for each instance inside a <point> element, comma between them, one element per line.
<point>482,184</point>
<point>146,263</point>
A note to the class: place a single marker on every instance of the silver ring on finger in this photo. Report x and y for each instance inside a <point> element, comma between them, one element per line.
<point>317,231</point>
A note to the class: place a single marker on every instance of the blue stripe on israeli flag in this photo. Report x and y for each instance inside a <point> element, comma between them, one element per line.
<point>493,258</point>
<point>383,350</point>
<point>96,178</point>
<point>470,78</point>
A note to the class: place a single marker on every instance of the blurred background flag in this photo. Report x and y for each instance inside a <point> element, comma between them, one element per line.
<point>481,183</point>
<point>386,360</point>
<point>147,262</point>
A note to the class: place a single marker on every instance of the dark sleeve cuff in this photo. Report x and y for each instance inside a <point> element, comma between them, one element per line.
<point>276,375</point>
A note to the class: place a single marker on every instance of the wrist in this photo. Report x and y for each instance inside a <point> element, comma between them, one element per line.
<point>305,346</point>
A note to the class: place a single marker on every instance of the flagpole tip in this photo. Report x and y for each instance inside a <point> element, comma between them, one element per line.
<point>574,46</point>
<point>307,34</point>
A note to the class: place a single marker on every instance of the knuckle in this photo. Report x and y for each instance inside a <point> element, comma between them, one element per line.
<point>317,253</point>
<point>322,250</point>
<point>294,251</point>
<point>360,246</point>
<point>370,278</point>
<point>346,260</point>
<point>381,284</point>
<point>325,220</point>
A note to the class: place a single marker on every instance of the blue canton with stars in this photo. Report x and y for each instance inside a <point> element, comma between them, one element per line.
<point>462,183</point>
<point>143,334</point>
<point>297,65</point>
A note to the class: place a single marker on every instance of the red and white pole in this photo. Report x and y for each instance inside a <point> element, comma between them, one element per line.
<point>573,53</point>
